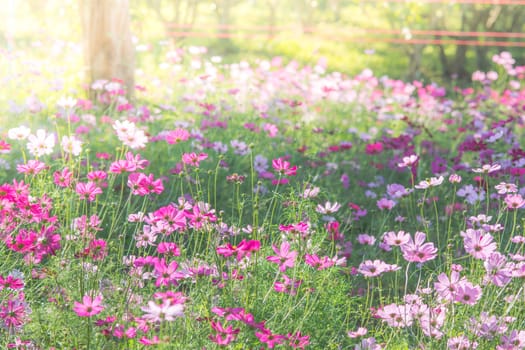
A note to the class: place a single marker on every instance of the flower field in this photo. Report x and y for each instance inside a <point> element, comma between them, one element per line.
<point>261,205</point>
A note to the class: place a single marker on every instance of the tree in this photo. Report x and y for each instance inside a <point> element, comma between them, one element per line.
<point>108,48</point>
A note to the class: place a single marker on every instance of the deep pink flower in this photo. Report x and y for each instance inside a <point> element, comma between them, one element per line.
<point>13,313</point>
<point>4,147</point>
<point>270,339</point>
<point>11,282</point>
<point>297,340</point>
<point>244,248</point>
<point>224,335</point>
<point>88,190</point>
<point>89,306</point>
<point>63,178</point>
<point>168,248</point>
<point>287,286</point>
<point>282,166</point>
<point>285,258</point>
<point>137,160</point>
<point>141,185</point>
<point>374,148</point>
<point>166,274</point>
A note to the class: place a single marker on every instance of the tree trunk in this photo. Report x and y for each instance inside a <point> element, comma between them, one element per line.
<point>108,49</point>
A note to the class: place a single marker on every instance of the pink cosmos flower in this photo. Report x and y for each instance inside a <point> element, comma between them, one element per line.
<point>447,287</point>
<point>4,147</point>
<point>267,337</point>
<point>461,343</point>
<point>11,282</point>
<point>285,258</point>
<point>328,208</point>
<point>497,271</point>
<point>515,340</point>
<point>165,273</point>
<point>98,177</point>
<point>366,239</point>
<point>408,161</point>
<point>121,166</point>
<point>32,167</point>
<point>385,204</point>
<point>368,344</point>
<point>224,335</point>
<point>282,166</point>
<point>89,306</point>
<point>193,159</point>
<point>396,315</point>
<point>139,162</point>
<point>88,190</point>
<point>432,182</point>
<point>467,293</point>
<point>63,178</point>
<point>297,340</point>
<point>361,331</point>
<point>168,248</point>
<point>244,248</point>
<point>514,201</point>
<point>371,268</point>
<point>141,185</point>
<point>454,179</point>
<point>271,129</point>
<point>320,263</point>
<point>504,188</point>
<point>487,168</point>
<point>374,148</point>
<point>417,251</point>
<point>177,135</point>
<point>396,239</point>
<point>478,243</point>
<point>288,286</point>
<point>14,312</point>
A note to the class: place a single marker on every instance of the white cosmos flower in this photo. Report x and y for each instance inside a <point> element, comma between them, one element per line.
<point>71,145</point>
<point>41,143</point>
<point>163,312</point>
<point>20,133</point>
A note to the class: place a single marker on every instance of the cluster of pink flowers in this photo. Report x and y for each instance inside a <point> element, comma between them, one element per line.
<point>224,333</point>
<point>27,224</point>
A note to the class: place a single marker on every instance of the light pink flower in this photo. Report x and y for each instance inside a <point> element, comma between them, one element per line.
<point>418,251</point>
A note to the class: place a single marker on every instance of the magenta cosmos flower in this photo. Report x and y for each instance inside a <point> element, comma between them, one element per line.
<point>89,307</point>
<point>282,166</point>
<point>285,258</point>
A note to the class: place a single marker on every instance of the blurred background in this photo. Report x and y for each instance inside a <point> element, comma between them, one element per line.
<point>436,40</point>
